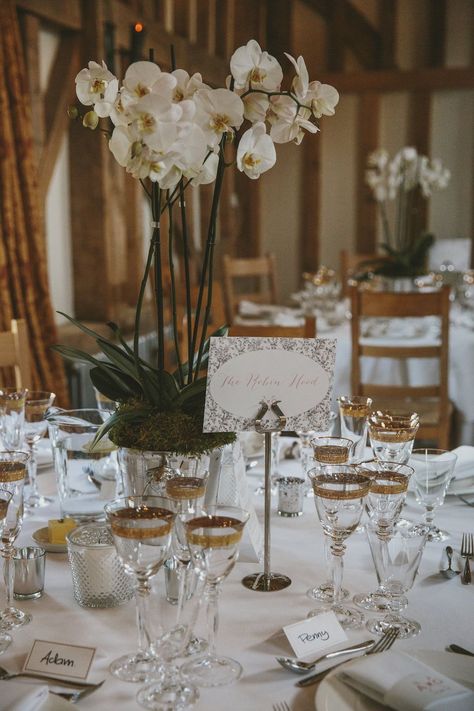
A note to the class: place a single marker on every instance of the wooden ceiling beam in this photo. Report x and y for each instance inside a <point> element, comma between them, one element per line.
<point>387,34</point>
<point>65,14</point>
<point>437,33</point>
<point>442,79</point>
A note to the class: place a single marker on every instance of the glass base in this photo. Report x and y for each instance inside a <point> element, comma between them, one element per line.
<point>377,602</point>
<point>12,617</point>
<point>196,645</point>
<point>325,593</point>
<point>171,696</point>
<point>5,642</point>
<point>348,617</point>
<point>211,671</point>
<point>406,628</point>
<point>36,501</point>
<point>433,532</point>
<point>136,667</point>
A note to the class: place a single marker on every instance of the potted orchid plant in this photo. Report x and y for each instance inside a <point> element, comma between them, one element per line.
<point>172,132</point>
<point>398,185</point>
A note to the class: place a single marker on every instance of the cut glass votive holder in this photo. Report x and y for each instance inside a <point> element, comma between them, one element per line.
<point>291,494</point>
<point>98,576</point>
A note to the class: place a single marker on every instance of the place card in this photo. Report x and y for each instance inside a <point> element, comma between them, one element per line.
<point>315,634</point>
<point>243,373</point>
<point>66,661</point>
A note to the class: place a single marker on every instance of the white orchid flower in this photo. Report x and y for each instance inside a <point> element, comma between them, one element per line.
<point>142,78</point>
<point>150,112</point>
<point>218,111</point>
<point>256,152</point>
<point>252,68</point>
<point>324,98</point>
<point>300,83</point>
<point>119,115</point>
<point>190,148</point>
<point>256,107</point>
<point>186,86</point>
<point>206,173</point>
<point>287,122</point>
<point>98,87</point>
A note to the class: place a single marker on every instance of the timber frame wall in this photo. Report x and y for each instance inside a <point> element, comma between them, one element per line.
<point>106,214</point>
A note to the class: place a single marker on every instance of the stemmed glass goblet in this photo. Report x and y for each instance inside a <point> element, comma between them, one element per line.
<point>396,558</point>
<point>213,540</point>
<point>392,436</point>
<point>141,527</point>
<point>5,497</point>
<point>434,469</point>
<point>340,492</point>
<point>12,480</point>
<point>12,417</point>
<point>388,488</point>
<point>37,405</point>
<point>354,411</point>
<point>328,450</point>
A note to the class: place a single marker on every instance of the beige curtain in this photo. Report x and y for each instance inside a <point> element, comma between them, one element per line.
<point>24,290</point>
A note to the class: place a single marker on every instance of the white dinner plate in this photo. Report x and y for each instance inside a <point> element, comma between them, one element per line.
<point>41,536</point>
<point>334,694</point>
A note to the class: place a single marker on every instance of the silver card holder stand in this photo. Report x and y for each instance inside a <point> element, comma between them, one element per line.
<point>267,581</point>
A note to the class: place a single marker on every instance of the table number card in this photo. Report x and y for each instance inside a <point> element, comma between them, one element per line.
<point>314,634</point>
<point>66,661</point>
<point>244,372</point>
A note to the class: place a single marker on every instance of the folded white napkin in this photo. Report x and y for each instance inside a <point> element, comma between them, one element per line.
<point>15,696</point>
<point>403,683</point>
<point>251,308</point>
<point>465,462</point>
<point>287,319</point>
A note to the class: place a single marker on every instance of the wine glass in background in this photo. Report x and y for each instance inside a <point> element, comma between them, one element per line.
<point>213,540</point>
<point>327,451</point>
<point>106,406</point>
<point>354,411</point>
<point>37,405</point>
<point>384,503</point>
<point>392,436</point>
<point>12,417</point>
<point>433,471</point>
<point>12,480</point>
<point>339,495</point>
<point>141,527</point>
<point>5,497</point>
<point>396,558</point>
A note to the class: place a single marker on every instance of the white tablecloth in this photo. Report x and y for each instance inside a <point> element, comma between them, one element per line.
<point>251,622</point>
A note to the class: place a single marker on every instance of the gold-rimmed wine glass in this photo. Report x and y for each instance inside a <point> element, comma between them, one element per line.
<point>12,417</point>
<point>12,480</point>
<point>388,489</point>
<point>340,492</point>
<point>328,450</point>
<point>213,540</point>
<point>37,404</point>
<point>354,411</point>
<point>141,528</point>
<point>5,498</point>
<point>392,436</point>
<point>434,469</point>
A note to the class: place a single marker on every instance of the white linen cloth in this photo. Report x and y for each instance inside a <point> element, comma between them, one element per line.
<point>400,682</point>
<point>16,696</point>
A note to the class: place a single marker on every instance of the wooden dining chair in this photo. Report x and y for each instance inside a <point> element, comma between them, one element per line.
<point>259,271</point>
<point>431,402</point>
<point>15,352</point>
<point>306,330</point>
<point>352,263</point>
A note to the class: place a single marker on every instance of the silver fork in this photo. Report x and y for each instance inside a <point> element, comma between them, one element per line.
<point>467,551</point>
<point>283,706</point>
<point>74,696</point>
<point>384,643</point>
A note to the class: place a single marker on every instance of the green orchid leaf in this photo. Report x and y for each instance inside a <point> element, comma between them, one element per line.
<point>113,384</point>
<point>138,415</point>
<point>75,355</point>
<point>84,329</point>
<point>221,331</point>
<point>119,358</point>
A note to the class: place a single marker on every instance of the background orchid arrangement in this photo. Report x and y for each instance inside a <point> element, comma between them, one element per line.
<point>170,131</point>
<point>403,181</point>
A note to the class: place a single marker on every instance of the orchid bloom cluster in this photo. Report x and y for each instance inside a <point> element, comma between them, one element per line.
<point>406,171</point>
<point>170,125</point>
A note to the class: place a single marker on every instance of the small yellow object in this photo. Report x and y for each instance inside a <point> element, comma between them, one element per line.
<point>59,528</point>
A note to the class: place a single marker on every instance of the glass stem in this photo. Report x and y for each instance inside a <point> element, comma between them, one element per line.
<point>32,472</point>
<point>182,571</point>
<point>212,597</point>
<point>337,567</point>
<point>429,516</point>
<point>142,597</point>
<point>8,569</point>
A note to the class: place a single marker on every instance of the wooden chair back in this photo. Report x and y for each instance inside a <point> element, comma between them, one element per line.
<point>262,269</point>
<point>306,330</point>
<point>15,352</point>
<point>376,304</point>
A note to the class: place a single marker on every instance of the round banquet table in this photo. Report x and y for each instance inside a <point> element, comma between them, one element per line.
<point>250,622</point>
